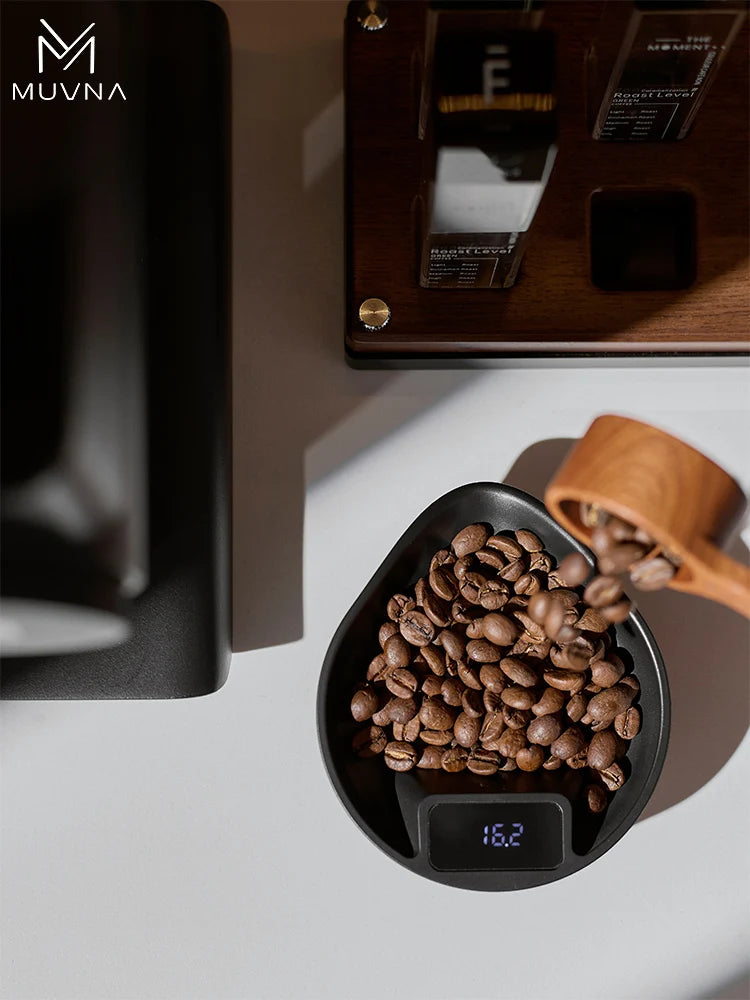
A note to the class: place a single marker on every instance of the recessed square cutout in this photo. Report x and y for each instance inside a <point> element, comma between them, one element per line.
<point>642,240</point>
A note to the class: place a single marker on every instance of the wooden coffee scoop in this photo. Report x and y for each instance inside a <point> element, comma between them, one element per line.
<point>682,499</point>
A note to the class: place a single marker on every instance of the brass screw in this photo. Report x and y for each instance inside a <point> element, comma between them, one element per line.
<point>374,314</point>
<point>372,15</point>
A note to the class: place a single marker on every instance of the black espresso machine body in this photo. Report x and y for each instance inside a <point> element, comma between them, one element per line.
<point>115,349</point>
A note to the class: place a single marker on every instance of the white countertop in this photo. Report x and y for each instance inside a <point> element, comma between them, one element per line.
<point>195,850</point>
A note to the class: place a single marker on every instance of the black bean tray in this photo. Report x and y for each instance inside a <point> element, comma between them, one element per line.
<point>393,809</point>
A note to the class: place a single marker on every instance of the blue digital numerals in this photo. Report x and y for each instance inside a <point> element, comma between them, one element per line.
<point>494,835</point>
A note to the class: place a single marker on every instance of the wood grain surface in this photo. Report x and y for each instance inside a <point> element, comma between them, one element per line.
<point>657,482</point>
<point>554,307</point>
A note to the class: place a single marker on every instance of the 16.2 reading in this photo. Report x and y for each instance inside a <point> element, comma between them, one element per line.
<point>495,836</point>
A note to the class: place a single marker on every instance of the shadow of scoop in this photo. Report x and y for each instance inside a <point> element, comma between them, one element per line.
<point>705,647</point>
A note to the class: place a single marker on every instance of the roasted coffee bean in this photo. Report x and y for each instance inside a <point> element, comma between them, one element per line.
<point>471,702</point>
<point>369,742</point>
<point>400,756</point>
<point>516,718</point>
<point>578,760</point>
<point>540,606</point>
<point>508,765</point>
<point>454,760</point>
<point>411,729</point>
<point>576,707</point>
<point>544,730</point>
<point>451,690</point>
<point>602,749</point>
<point>574,569</point>
<point>631,681</point>
<point>567,634</point>
<point>618,612</point>
<point>434,659</point>
<point>601,541</point>
<point>364,703</point>
<point>508,546</point>
<point>602,590</point>
<point>469,675</point>
<point>573,657</point>
<point>518,697</point>
<point>589,514</point>
<point>539,562</point>
<point>490,557</point>
<point>513,571</point>
<point>653,573</point>
<point>401,709</point>
<point>570,742</point>
<point>416,628</point>
<point>528,584</point>
<point>552,700</point>
<point>492,677</point>
<point>436,610</point>
<point>554,620</point>
<point>431,758</point>
<point>463,611</point>
<point>437,737</point>
<point>402,682</point>
<point>620,557</point>
<point>628,724</point>
<point>451,667</point>
<point>494,595</point>
<point>443,584</point>
<point>611,702</point>
<point>398,605</point>
<point>452,643</point>
<point>493,727</point>
<point>528,540</point>
<point>530,758</point>
<point>483,651</point>
<point>397,651</point>
<point>565,680</point>
<point>387,629</point>
<point>466,730</point>
<point>592,621</point>
<point>596,798</point>
<point>377,669</point>
<point>511,742</point>
<point>499,629</point>
<point>421,590</point>
<point>552,764</point>
<point>442,558</point>
<point>484,762</point>
<point>567,597</point>
<point>519,672</point>
<point>492,701</point>
<point>533,650</point>
<point>469,539</point>
<point>605,674</point>
<point>613,777</point>
<point>474,629</point>
<point>435,714</point>
<point>531,630</point>
<point>471,586</point>
<point>462,566</point>
<point>432,685</point>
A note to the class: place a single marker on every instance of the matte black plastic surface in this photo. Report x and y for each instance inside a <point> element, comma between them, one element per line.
<point>173,61</point>
<point>385,805</point>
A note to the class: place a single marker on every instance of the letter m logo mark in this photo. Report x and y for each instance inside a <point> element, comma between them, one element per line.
<point>61,51</point>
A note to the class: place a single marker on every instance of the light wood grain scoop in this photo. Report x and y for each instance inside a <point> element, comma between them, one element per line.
<point>658,483</point>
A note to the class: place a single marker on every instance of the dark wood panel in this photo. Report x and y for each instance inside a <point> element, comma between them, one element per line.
<point>554,304</point>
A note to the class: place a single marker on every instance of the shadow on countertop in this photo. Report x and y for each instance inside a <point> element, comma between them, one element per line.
<point>706,649</point>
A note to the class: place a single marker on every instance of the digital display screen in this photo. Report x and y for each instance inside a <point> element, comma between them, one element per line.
<point>506,836</point>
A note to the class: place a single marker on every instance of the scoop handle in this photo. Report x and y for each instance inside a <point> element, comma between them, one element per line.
<point>715,575</point>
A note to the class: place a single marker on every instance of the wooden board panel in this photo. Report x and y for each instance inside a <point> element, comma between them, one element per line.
<point>554,308</point>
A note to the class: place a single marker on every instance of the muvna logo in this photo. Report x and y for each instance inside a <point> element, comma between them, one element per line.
<point>49,44</point>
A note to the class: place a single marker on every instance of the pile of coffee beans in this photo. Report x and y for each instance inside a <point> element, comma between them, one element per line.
<point>620,547</point>
<point>497,661</point>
